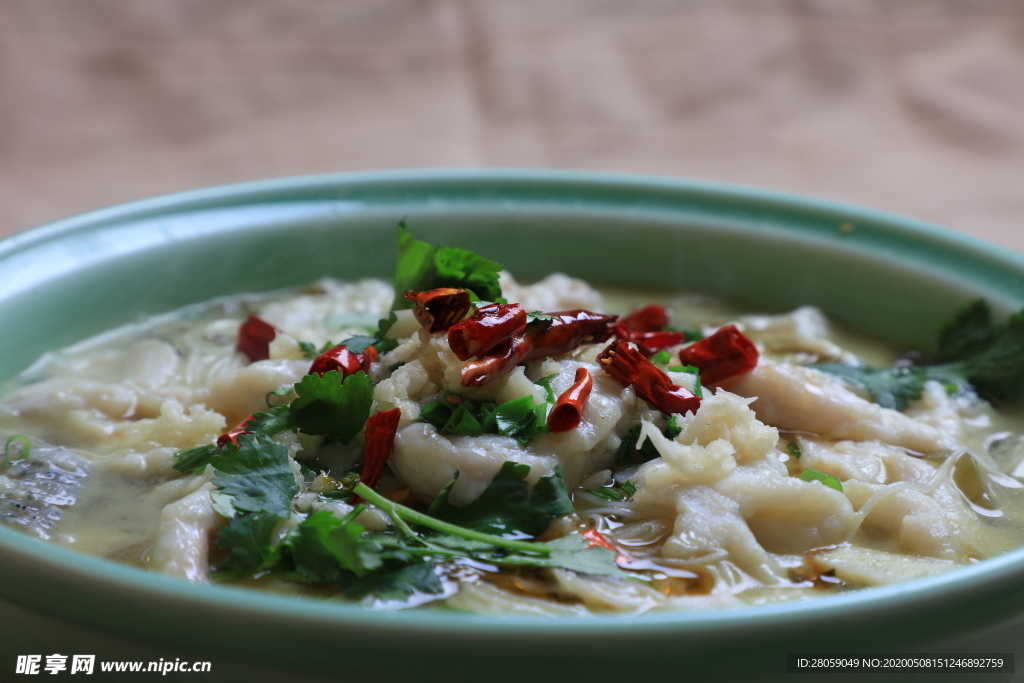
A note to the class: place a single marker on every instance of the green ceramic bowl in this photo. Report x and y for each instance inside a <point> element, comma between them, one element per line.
<point>886,275</point>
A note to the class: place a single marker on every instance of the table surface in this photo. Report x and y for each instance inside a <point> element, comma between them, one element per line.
<point>914,107</point>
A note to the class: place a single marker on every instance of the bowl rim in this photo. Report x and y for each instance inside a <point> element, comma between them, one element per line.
<point>107,578</point>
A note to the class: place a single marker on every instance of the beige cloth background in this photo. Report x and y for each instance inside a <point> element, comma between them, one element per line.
<point>915,106</point>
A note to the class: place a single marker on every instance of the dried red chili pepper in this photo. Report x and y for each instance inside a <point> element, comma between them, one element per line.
<point>564,332</point>
<point>724,354</point>
<point>478,372</point>
<point>341,359</point>
<point>598,539</point>
<point>439,309</point>
<point>649,318</point>
<point>568,330</point>
<point>649,343</point>
<point>487,329</point>
<point>254,337</point>
<point>568,410</point>
<point>645,328</point>
<point>380,440</point>
<point>231,436</point>
<point>630,367</point>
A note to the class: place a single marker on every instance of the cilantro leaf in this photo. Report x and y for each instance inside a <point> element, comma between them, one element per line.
<point>359,343</point>
<point>249,538</point>
<point>256,474</point>
<point>194,458</point>
<point>891,388</point>
<point>570,552</point>
<point>309,350</point>
<point>273,421</point>
<point>974,355</point>
<point>423,266</point>
<point>967,333</point>
<point>990,357</point>
<point>395,584</point>
<point>332,404</point>
<point>507,507</point>
<point>322,547</point>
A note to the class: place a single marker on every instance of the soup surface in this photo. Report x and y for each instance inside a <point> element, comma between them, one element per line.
<point>702,458</point>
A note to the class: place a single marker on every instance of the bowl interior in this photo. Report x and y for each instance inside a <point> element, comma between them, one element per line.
<point>885,275</point>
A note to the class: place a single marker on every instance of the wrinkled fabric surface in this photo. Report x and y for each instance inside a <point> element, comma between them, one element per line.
<point>912,106</point>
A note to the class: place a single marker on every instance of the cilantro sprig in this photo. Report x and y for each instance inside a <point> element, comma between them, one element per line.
<point>893,387</point>
<point>423,266</point>
<point>400,562</point>
<point>989,356</point>
<point>974,354</point>
<point>507,507</point>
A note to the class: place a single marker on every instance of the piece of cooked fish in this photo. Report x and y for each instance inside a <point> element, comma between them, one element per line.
<point>35,491</point>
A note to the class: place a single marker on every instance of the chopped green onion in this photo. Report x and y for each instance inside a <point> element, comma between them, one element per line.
<point>26,448</point>
<point>794,449</point>
<point>697,390</point>
<point>629,488</point>
<point>661,358</point>
<point>811,474</point>
<point>546,383</point>
<point>607,493</point>
<point>672,429</point>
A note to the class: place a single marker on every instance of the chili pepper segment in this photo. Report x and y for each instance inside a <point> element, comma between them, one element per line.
<point>567,331</point>
<point>597,539</point>
<point>559,333</point>
<point>439,309</point>
<point>254,337</point>
<point>724,354</point>
<point>649,318</point>
<point>487,329</point>
<point>630,367</point>
<point>380,441</point>
<point>478,372</point>
<point>231,436</point>
<point>568,411</point>
<point>645,327</point>
<point>344,361</point>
